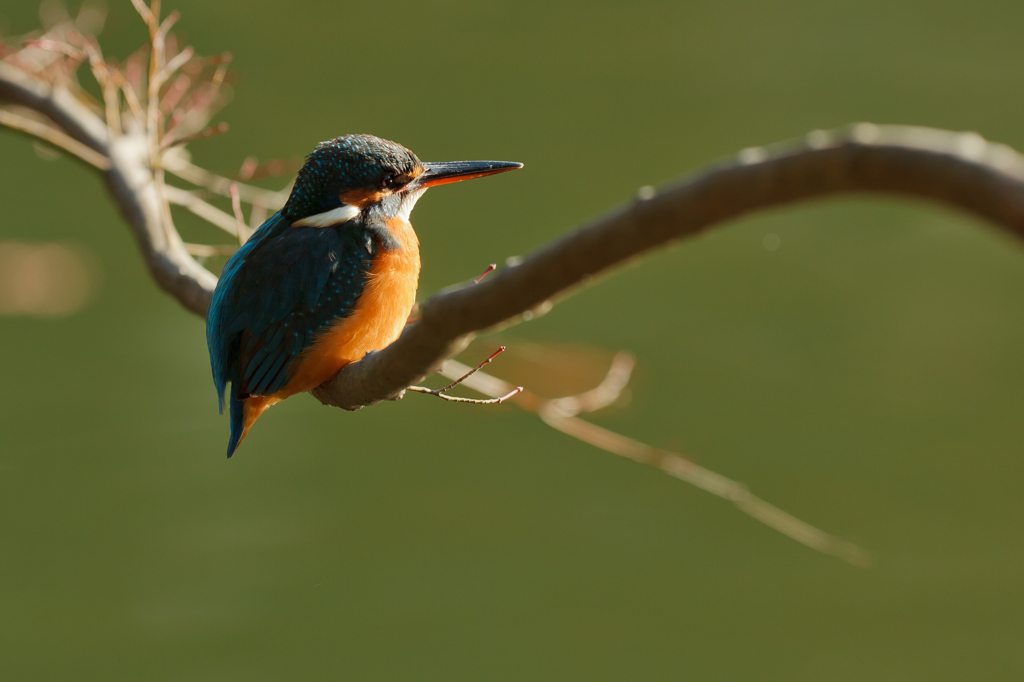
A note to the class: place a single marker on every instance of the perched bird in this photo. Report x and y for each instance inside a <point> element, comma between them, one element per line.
<point>327,279</point>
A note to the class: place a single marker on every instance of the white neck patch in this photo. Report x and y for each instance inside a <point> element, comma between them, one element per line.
<point>408,201</point>
<point>342,214</point>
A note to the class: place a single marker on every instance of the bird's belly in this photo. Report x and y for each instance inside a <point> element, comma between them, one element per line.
<point>377,319</point>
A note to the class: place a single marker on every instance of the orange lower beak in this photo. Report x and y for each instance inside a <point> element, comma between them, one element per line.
<point>445,172</point>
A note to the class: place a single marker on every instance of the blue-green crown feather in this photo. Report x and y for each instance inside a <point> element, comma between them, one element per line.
<point>345,163</point>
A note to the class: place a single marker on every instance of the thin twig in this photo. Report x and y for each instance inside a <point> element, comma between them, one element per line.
<point>471,401</point>
<point>487,361</point>
<point>236,206</point>
<point>179,60</point>
<point>605,393</point>
<point>168,23</point>
<point>102,73</point>
<point>495,400</point>
<point>210,250</point>
<point>129,96</point>
<point>490,268</point>
<point>144,12</point>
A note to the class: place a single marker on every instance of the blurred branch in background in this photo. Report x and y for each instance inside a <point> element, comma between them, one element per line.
<point>164,96</point>
<point>563,414</point>
<point>45,280</point>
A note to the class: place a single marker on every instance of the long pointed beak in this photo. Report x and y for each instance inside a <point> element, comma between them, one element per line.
<point>443,172</point>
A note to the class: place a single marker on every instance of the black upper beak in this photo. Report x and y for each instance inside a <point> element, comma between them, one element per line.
<point>444,172</point>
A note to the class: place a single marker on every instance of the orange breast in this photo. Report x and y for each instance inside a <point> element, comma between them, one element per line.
<point>378,318</point>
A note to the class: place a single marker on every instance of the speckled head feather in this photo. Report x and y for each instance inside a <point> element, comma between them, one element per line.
<point>344,164</point>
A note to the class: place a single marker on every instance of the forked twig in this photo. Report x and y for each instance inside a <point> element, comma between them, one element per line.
<point>495,400</point>
<point>561,414</point>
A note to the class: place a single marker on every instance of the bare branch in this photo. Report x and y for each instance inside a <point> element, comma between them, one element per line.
<point>561,415</point>
<point>132,184</point>
<point>606,393</point>
<point>210,250</point>
<point>957,169</point>
<point>130,180</point>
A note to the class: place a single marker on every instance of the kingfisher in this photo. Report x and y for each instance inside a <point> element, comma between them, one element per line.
<point>327,279</point>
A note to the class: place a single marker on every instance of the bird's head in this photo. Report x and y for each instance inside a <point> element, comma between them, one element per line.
<point>362,176</point>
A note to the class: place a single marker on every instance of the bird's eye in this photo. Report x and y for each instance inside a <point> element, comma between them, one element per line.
<point>388,181</point>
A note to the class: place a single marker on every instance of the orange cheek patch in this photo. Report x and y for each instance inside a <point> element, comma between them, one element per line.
<point>361,197</point>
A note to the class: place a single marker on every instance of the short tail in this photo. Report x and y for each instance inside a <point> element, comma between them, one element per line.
<point>244,413</point>
<point>238,429</point>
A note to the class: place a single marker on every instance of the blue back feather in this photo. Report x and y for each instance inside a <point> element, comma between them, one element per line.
<point>275,295</point>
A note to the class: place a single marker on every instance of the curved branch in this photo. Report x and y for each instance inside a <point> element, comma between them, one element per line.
<point>58,104</point>
<point>958,169</point>
<point>137,195</point>
<point>130,180</point>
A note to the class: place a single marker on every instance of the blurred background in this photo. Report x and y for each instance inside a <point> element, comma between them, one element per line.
<point>856,362</point>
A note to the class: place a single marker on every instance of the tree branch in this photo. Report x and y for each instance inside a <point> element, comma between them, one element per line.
<point>127,164</point>
<point>69,113</point>
<point>136,193</point>
<point>958,169</point>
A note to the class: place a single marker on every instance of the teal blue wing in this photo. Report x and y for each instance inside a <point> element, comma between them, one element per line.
<point>275,295</point>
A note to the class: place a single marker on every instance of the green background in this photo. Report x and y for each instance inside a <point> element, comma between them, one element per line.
<point>866,376</point>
